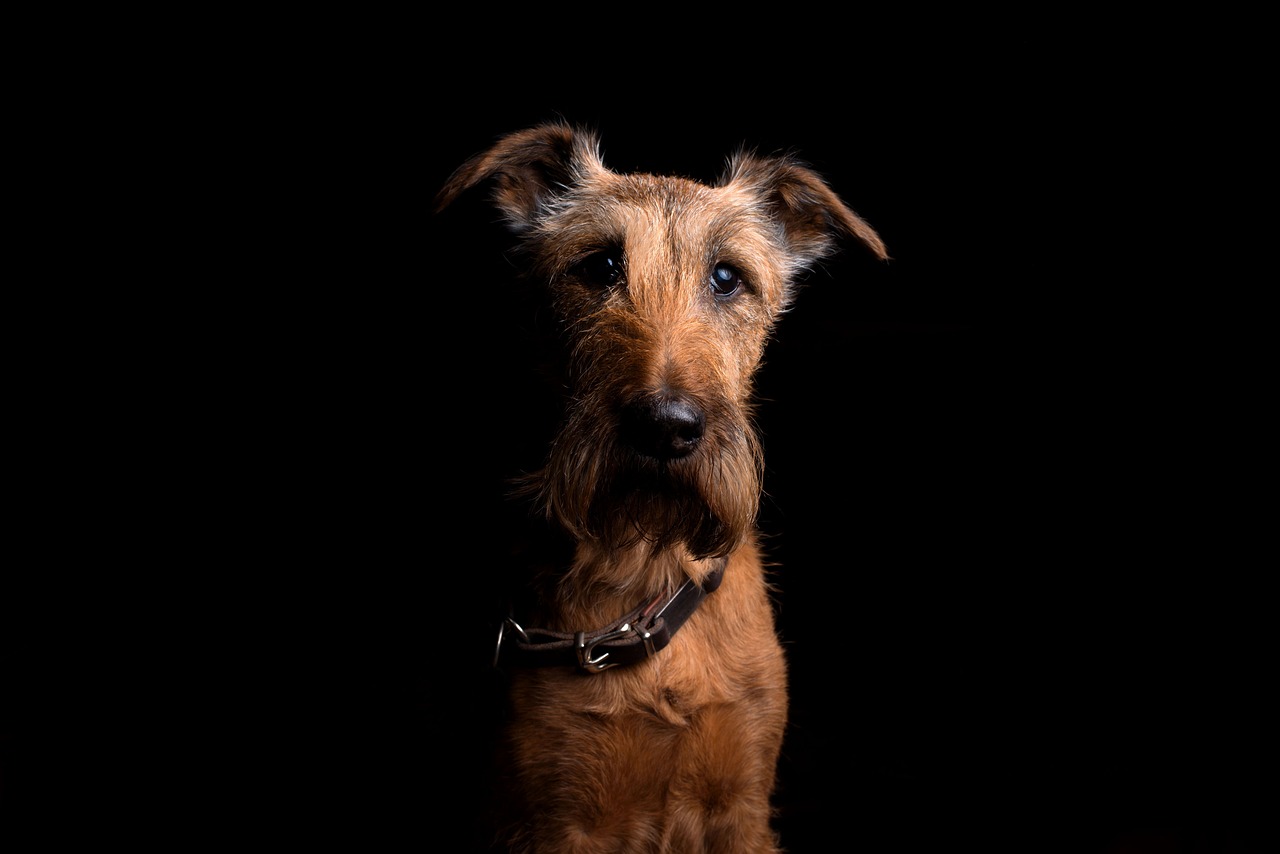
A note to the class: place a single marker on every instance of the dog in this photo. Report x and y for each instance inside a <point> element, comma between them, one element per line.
<point>647,681</point>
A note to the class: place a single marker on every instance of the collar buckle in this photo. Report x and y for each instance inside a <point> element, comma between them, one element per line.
<point>592,663</point>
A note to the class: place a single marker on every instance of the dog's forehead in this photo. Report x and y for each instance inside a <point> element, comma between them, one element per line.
<point>666,192</point>
<point>625,202</point>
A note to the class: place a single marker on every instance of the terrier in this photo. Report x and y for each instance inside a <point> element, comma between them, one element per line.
<point>648,686</point>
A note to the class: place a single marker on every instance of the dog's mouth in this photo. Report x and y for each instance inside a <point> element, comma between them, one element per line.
<point>684,493</point>
<point>658,503</point>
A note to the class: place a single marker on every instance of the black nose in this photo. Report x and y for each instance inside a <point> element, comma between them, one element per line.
<point>663,427</point>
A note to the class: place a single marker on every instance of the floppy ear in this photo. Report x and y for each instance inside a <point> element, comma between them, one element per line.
<point>530,169</point>
<point>809,212</point>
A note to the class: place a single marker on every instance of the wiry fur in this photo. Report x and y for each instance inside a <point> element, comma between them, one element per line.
<point>677,753</point>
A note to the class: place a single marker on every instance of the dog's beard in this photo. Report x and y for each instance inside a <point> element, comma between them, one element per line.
<point>602,490</point>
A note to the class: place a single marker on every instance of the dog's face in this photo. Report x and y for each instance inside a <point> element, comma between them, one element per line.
<point>666,291</point>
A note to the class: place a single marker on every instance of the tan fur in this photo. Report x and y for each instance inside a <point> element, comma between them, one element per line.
<point>676,753</point>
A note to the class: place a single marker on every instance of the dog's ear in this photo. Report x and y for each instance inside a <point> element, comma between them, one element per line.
<point>530,169</point>
<point>810,213</point>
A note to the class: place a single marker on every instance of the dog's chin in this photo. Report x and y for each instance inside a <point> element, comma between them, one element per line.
<point>662,505</point>
<point>628,516</point>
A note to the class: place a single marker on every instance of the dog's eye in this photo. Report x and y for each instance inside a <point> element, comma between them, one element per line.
<point>602,268</point>
<point>725,281</point>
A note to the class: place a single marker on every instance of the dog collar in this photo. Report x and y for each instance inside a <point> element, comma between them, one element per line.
<point>640,633</point>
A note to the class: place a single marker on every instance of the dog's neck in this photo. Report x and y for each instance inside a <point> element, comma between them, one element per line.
<point>559,582</point>
<point>600,584</point>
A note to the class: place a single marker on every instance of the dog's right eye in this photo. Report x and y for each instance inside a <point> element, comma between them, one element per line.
<point>601,268</point>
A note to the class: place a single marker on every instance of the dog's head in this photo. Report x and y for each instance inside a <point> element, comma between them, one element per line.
<point>666,290</point>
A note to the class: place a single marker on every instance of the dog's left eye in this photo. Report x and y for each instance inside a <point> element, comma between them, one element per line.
<point>725,281</point>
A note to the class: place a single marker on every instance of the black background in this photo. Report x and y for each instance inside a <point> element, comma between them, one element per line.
<point>1014,612</point>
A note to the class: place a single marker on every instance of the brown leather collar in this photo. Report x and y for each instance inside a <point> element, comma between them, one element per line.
<point>638,634</point>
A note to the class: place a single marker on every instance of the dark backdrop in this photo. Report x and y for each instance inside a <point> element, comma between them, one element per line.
<point>1007,621</point>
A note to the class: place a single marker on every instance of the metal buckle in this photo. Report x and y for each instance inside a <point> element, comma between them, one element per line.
<point>585,658</point>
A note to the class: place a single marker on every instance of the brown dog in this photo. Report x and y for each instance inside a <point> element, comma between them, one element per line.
<point>648,685</point>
